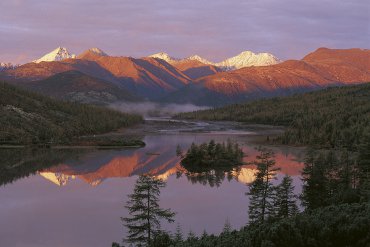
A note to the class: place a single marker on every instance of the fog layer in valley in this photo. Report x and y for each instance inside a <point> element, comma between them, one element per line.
<point>151,109</point>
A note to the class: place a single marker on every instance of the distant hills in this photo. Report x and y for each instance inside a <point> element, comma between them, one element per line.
<point>334,117</point>
<point>78,87</point>
<point>195,80</point>
<point>322,68</point>
<point>29,118</point>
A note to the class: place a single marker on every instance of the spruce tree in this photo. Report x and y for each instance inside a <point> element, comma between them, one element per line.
<point>364,165</point>
<point>179,152</point>
<point>262,190</point>
<point>144,210</point>
<point>178,234</point>
<point>315,183</point>
<point>227,226</point>
<point>285,204</point>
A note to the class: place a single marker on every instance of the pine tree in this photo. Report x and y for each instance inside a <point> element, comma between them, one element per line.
<point>262,190</point>
<point>204,234</point>
<point>179,151</point>
<point>285,204</point>
<point>178,234</point>
<point>227,226</point>
<point>191,236</point>
<point>364,165</point>
<point>315,183</point>
<point>144,210</point>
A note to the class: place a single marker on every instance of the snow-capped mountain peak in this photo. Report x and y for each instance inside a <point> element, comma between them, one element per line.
<point>243,59</point>
<point>98,51</point>
<point>6,66</point>
<point>58,54</point>
<point>164,56</point>
<point>200,59</point>
<point>247,59</point>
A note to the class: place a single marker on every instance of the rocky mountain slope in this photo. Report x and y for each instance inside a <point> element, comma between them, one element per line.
<point>76,86</point>
<point>58,54</point>
<point>161,77</point>
<point>322,68</point>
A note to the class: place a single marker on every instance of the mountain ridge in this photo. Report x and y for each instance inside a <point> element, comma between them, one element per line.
<point>57,54</point>
<point>193,81</point>
<point>321,68</point>
<point>243,59</point>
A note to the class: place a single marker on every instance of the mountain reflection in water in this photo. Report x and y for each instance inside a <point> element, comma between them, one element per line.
<point>157,158</point>
<point>93,186</point>
<point>95,167</point>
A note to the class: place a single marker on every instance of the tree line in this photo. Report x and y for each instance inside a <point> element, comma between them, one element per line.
<point>335,197</point>
<point>330,118</point>
<point>335,124</point>
<point>27,117</point>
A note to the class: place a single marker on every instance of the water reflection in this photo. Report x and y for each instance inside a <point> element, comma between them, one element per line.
<point>18,163</point>
<point>157,158</point>
<point>84,189</point>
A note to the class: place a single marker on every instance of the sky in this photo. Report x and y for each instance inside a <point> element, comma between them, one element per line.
<point>214,29</point>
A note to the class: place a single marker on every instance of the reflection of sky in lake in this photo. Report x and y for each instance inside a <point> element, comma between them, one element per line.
<point>39,213</point>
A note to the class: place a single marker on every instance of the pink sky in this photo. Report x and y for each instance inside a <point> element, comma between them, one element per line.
<point>213,29</point>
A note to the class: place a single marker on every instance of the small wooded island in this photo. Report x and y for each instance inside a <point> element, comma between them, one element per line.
<point>207,156</point>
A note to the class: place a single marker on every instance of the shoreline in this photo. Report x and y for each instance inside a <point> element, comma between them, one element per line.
<point>258,133</point>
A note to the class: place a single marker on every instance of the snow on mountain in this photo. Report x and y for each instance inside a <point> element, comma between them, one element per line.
<point>58,54</point>
<point>59,179</point>
<point>248,59</point>
<point>165,57</point>
<point>244,59</point>
<point>6,66</point>
<point>200,59</point>
<point>98,51</point>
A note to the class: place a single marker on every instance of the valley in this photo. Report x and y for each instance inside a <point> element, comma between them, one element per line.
<point>184,124</point>
<point>74,160</point>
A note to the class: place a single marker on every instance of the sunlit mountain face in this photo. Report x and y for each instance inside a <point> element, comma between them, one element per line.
<point>160,77</point>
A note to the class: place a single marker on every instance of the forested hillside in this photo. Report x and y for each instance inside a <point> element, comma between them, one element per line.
<point>333,117</point>
<point>339,226</point>
<point>27,117</point>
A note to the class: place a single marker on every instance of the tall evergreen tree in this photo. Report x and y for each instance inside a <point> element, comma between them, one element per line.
<point>227,226</point>
<point>314,192</point>
<point>178,237</point>
<point>285,203</point>
<point>144,210</point>
<point>364,165</point>
<point>262,190</point>
<point>179,152</point>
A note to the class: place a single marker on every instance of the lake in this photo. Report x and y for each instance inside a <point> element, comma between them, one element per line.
<point>77,196</point>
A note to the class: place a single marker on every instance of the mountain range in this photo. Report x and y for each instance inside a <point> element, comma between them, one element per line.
<point>6,66</point>
<point>242,60</point>
<point>96,77</point>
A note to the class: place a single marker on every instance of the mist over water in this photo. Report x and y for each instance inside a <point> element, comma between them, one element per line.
<point>152,109</point>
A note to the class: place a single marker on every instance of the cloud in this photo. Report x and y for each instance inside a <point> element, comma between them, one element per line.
<point>214,29</point>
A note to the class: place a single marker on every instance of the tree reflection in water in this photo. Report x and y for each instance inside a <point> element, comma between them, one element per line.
<point>19,163</point>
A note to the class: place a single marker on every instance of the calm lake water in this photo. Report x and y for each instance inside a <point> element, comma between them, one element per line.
<point>77,197</point>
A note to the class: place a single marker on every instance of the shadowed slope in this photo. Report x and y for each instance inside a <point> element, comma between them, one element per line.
<point>75,86</point>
